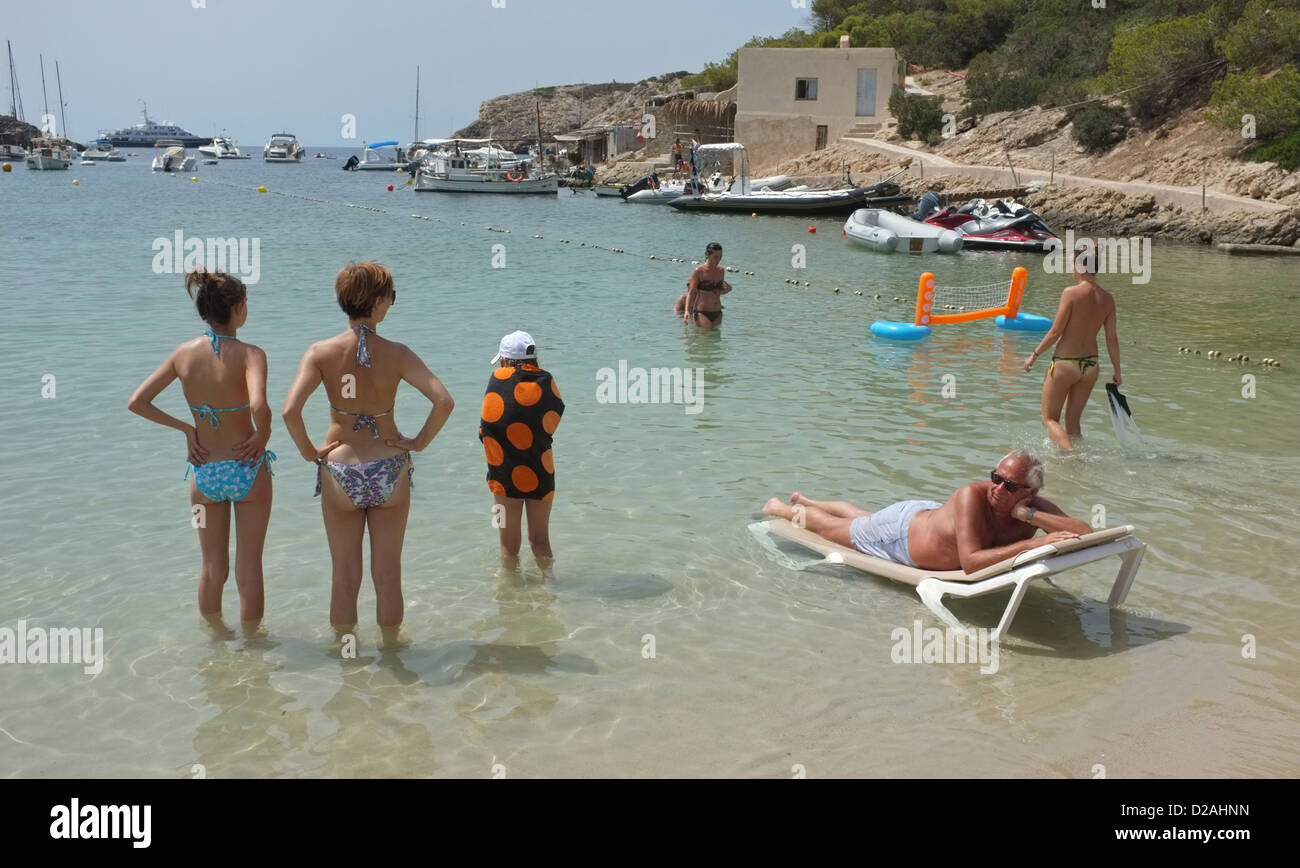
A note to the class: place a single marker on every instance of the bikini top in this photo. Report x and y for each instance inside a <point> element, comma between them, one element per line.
<point>363,359</point>
<point>709,285</point>
<point>207,411</point>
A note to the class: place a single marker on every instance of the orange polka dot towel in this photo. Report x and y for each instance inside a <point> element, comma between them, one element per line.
<point>521,410</point>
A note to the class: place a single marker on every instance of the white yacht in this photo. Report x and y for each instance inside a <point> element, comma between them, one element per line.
<point>149,133</point>
<point>50,152</point>
<point>172,157</point>
<point>223,148</point>
<point>283,148</point>
<point>102,150</point>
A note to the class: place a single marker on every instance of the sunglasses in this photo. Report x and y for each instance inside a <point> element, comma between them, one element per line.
<point>1012,487</point>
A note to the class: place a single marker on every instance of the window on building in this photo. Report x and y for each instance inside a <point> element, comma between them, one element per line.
<point>821,136</point>
<point>805,88</point>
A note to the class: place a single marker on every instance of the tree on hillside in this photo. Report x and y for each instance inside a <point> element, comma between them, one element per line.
<point>1161,64</point>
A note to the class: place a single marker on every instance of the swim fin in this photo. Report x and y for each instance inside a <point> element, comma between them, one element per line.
<point>1121,416</point>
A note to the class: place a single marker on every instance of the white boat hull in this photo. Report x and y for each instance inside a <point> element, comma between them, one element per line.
<point>281,158</point>
<point>189,164</point>
<point>363,166</point>
<point>486,184</point>
<point>47,163</point>
<point>886,231</point>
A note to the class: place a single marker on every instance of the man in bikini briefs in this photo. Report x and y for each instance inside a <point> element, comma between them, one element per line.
<point>981,524</point>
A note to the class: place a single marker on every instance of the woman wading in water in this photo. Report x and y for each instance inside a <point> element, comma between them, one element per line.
<point>1085,309</point>
<point>364,472</point>
<point>702,302</point>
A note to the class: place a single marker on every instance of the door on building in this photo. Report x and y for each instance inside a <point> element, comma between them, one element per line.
<point>866,93</point>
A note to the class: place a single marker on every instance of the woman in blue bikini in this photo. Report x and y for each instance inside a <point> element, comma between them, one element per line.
<point>364,470</point>
<point>224,380</point>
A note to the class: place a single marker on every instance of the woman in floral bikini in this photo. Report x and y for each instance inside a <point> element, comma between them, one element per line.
<point>364,470</point>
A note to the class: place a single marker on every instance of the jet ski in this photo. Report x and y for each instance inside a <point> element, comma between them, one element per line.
<point>1002,225</point>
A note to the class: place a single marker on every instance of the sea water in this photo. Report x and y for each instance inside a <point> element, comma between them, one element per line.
<point>669,642</point>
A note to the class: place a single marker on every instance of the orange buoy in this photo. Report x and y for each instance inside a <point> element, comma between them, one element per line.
<point>812,228</point>
<point>390,188</point>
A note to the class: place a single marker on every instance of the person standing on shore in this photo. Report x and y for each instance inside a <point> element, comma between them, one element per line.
<point>1084,310</point>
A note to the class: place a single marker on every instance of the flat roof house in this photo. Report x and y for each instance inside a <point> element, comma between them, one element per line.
<point>795,100</point>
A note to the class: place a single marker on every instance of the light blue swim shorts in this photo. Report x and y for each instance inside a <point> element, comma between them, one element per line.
<point>883,534</point>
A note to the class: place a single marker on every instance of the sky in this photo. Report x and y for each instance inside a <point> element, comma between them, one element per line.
<point>256,67</point>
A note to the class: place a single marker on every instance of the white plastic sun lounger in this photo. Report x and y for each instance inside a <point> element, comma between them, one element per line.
<point>1016,572</point>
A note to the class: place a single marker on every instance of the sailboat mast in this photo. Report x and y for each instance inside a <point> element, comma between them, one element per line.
<point>62,111</point>
<point>13,88</point>
<point>45,95</point>
<point>417,103</point>
<point>541,152</point>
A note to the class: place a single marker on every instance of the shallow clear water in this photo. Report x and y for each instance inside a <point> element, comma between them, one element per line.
<point>757,666</point>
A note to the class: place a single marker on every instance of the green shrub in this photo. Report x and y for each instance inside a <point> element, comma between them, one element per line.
<point>1151,62</point>
<point>918,116</point>
<point>1099,127</point>
<point>1285,152</point>
<point>1274,102</point>
<point>1264,36</point>
<point>990,88</point>
<point>544,92</point>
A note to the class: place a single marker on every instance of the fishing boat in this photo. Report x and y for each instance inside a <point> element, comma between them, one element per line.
<point>283,148</point>
<point>173,157</point>
<point>49,153</point>
<point>372,160</point>
<point>742,198</point>
<point>223,148</point>
<point>886,231</point>
<point>459,173</point>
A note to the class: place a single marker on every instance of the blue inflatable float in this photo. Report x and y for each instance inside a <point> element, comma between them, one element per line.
<point>1024,322</point>
<point>899,331</point>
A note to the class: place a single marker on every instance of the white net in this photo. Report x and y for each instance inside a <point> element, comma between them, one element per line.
<point>967,299</point>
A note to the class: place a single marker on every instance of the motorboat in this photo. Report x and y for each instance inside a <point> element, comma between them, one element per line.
<point>607,190</point>
<point>886,231</point>
<point>795,201</point>
<point>459,173</point>
<point>102,150</point>
<point>669,190</point>
<point>1001,225</point>
<point>223,148</point>
<point>743,197</point>
<point>373,160</point>
<point>173,157</point>
<point>283,148</point>
<point>49,153</point>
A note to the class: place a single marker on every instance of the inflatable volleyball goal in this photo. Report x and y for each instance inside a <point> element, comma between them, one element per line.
<point>947,305</point>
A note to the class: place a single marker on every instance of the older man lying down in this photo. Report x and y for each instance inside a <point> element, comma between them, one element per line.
<point>981,524</point>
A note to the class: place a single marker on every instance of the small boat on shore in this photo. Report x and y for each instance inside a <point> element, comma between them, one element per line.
<point>886,231</point>
<point>283,148</point>
<point>1001,225</point>
<point>173,157</point>
<point>741,197</point>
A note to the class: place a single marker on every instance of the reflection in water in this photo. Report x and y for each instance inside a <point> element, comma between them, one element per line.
<point>255,729</point>
<point>527,645</point>
<point>373,736</point>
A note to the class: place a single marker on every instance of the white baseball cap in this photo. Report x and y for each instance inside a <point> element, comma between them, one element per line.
<point>516,345</point>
